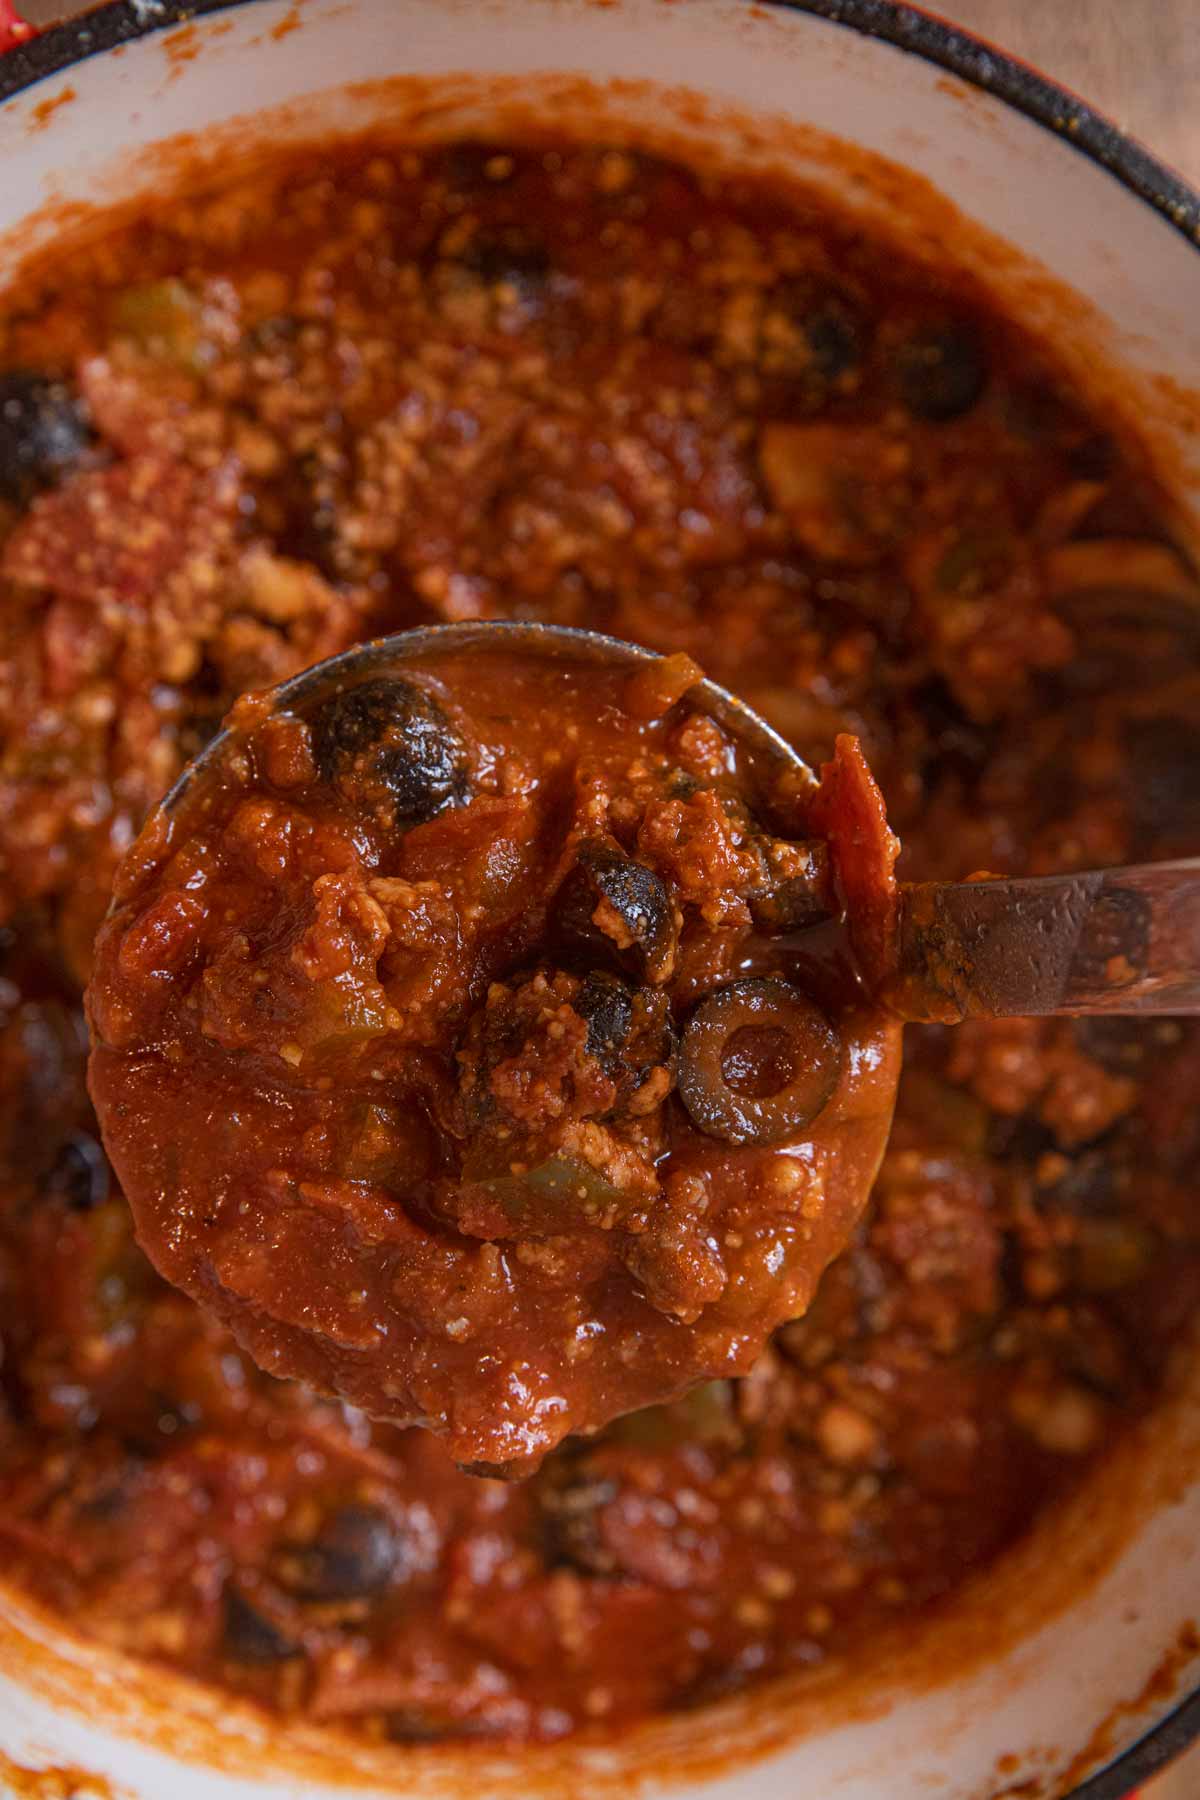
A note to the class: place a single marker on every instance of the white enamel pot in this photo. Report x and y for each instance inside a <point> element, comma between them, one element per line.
<point>1068,1667</point>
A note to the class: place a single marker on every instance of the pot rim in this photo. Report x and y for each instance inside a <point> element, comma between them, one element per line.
<point>1079,126</point>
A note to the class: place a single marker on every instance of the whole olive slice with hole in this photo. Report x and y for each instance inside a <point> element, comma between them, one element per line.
<point>758,1062</point>
<point>390,740</point>
<point>639,935</point>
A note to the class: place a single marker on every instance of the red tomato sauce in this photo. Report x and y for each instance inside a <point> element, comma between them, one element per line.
<point>468,1043</point>
<point>387,387</point>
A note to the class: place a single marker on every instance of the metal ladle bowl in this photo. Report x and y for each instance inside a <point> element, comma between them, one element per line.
<point>1121,940</point>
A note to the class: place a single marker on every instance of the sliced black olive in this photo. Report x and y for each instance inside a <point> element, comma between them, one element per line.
<point>43,1044</point>
<point>43,432</point>
<point>300,509</point>
<point>629,1033</point>
<point>607,1006</point>
<point>796,901</point>
<point>642,934</point>
<point>759,1061</point>
<point>79,1175</point>
<point>831,329</point>
<point>510,258</point>
<point>356,1553</point>
<point>509,261</point>
<point>248,1636</point>
<point>568,1515</point>
<point>833,340</point>
<point>682,786</point>
<point>389,739</point>
<point>941,371</point>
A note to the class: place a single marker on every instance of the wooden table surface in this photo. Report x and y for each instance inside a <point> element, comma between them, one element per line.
<point>1138,61</point>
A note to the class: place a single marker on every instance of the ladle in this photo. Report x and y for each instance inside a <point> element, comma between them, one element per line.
<point>1123,940</point>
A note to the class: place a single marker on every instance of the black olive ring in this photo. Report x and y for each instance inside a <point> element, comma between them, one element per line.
<point>759,1061</point>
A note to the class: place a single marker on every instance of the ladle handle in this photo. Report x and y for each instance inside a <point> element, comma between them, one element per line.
<point>1110,941</point>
